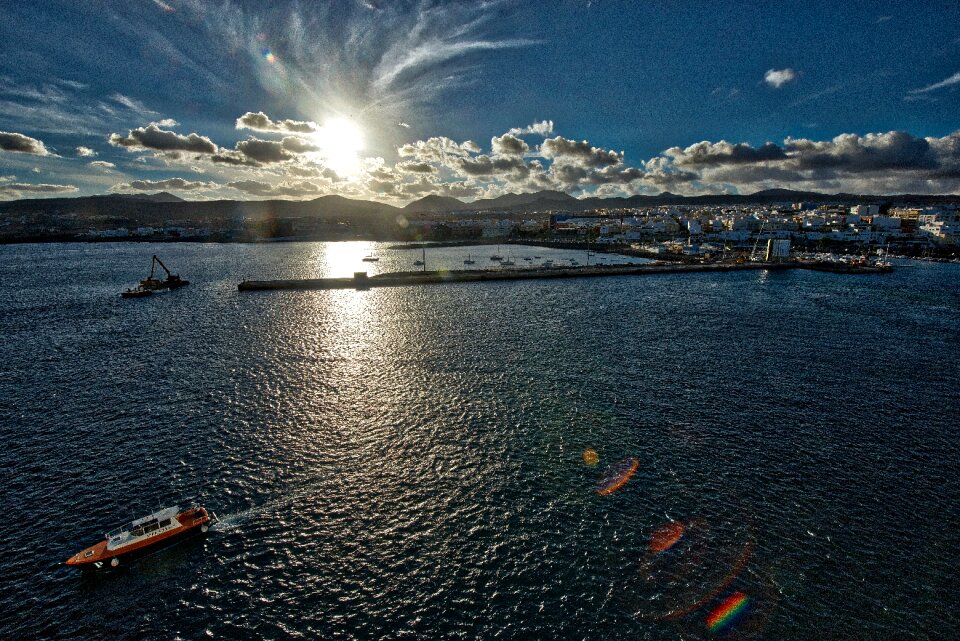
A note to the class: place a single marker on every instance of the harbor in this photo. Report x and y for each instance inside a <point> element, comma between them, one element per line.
<point>361,280</point>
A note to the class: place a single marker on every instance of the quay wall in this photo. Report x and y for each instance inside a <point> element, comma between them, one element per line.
<point>401,279</point>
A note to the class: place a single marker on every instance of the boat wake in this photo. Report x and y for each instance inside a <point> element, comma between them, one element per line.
<point>227,522</point>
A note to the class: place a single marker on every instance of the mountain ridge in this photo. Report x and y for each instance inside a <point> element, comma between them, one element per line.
<point>164,205</point>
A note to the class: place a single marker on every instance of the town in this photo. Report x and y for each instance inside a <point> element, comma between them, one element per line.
<point>672,229</point>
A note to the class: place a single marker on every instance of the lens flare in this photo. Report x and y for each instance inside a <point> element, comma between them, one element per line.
<point>617,476</point>
<point>590,456</point>
<point>666,536</point>
<point>727,612</point>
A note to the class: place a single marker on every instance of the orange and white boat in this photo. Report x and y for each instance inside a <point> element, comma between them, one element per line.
<point>143,536</point>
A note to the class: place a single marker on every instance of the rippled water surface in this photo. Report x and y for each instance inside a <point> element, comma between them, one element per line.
<point>409,462</point>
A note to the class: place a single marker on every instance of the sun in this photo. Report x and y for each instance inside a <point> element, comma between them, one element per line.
<point>339,142</point>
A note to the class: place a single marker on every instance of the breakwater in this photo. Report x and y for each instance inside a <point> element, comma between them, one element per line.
<point>360,280</point>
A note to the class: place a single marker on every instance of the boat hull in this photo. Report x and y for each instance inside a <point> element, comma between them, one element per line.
<point>100,557</point>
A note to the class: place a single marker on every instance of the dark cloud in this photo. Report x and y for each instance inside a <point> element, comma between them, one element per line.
<point>261,122</point>
<point>484,165</point>
<point>177,184</point>
<point>417,167</point>
<point>895,150</point>
<point>307,171</point>
<point>232,157</point>
<point>894,161</point>
<point>40,188</point>
<point>298,145</point>
<point>10,141</point>
<point>265,151</point>
<point>508,145</point>
<point>293,189</point>
<point>581,153</point>
<point>722,153</point>
<point>152,137</point>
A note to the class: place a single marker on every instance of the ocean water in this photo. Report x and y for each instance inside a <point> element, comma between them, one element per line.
<point>408,463</point>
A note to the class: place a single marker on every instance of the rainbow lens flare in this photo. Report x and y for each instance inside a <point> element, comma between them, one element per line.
<point>727,612</point>
<point>268,55</point>
<point>617,476</point>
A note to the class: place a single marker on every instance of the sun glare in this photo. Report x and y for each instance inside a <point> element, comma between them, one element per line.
<point>340,142</point>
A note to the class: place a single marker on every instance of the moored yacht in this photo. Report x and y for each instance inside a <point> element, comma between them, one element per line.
<point>142,536</point>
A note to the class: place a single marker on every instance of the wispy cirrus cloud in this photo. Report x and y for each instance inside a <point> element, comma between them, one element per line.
<point>388,55</point>
<point>65,106</point>
<point>947,82</point>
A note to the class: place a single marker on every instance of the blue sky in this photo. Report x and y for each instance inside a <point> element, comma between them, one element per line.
<point>395,100</point>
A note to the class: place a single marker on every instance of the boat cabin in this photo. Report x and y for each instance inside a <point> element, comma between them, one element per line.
<point>152,524</point>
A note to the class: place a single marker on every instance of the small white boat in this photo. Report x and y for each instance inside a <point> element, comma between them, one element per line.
<point>370,258</point>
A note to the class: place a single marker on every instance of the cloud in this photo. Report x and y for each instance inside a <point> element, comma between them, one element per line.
<point>176,184</point>
<point>234,158</point>
<point>298,145</point>
<point>166,122</point>
<point>261,122</point>
<point>387,59</point>
<point>295,189</point>
<point>64,107</point>
<point>19,143</point>
<point>776,78</point>
<point>86,152</point>
<point>403,124</point>
<point>541,128</point>
<point>133,105</point>
<point>888,162</point>
<point>417,167</point>
<point>152,137</point>
<point>15,190</point>
<point>432,52</point>
<point>718,153</point>
<point>102,164</point>
<point>438,148</point>
<point>947,82</point>
<point>484,165</point>
<point>264,151</point>
<point>508,145</point>
<point>580,153</point>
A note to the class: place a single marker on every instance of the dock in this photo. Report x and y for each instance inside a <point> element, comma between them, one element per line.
<point>360,280</point>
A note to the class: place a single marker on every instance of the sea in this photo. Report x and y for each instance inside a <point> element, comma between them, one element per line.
<point>750,455</point>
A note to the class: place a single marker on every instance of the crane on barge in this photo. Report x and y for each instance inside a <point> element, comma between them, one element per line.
<point>151,284</point>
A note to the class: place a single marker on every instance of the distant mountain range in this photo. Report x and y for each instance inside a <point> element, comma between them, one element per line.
<point>163,206</point>
<point>552,200</point>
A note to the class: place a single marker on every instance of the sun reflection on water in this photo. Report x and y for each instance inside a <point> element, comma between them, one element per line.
<point>344,258</point>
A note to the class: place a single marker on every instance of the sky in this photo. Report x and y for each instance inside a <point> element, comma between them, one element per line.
<point>394,100</point>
